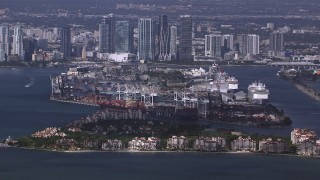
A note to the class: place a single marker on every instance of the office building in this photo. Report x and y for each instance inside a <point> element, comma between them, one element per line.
<point>29,46</point>
<point>107,34</point>
<point>164,39</point>
<point>185,38</point>
<point>173,42</point>
<point>146,42</point>
<point>65,42</point>
<point>4,42</point>
<point>123,37</point>
<point>42,44</point>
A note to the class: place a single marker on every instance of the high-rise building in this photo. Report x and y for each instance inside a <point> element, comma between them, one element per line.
<point>173,42</point>
<point>276,42</point>
<point>29,46</point>
<point>123,37</point>
<point>253,44</point>
<point>146,41</point>
<point>107,34</point>
<point>17,45</point>
<point>164,39</point>
<point>213,44</point>
<point>185,38</point>
<point>242,44</point>
<point>227,42</point>
<point>42,44</point>
<point>249,44</point>
<point>65,42</point>
<point>4,42</point>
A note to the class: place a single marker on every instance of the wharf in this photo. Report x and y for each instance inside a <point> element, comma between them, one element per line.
<point>74,102</point>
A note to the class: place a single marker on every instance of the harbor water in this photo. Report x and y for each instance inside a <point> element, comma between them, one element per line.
<point>25,109</point>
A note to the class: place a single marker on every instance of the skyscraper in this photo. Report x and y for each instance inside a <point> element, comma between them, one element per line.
<point>227,42</point>
<point>4,42</point>
<point>276,42</point>
<point>107,34</point>
<point>249,44</point>
<point>253,43</point>
<point>123,37</point>
<point>185,38</point>
<point>65,43</point>
<point>17,46</point>
<point>242,42</point>
<point>213,44</point>
<point>146,42</point>
<point>29,46</point>
<point>164,38</point>
<point>173,42</point>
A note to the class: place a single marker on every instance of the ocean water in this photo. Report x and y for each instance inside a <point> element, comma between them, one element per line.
<point>30,164</point>
<point>24,110</point>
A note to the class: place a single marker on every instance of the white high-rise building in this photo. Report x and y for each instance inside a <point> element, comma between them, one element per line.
<point>253,42</point>
<point>17,45</point>
<point>213,43</point>
<point>173,42</point>
<point>146,41</point>
<point>249,44</point>
<point>4,42</point>
<point>227,42</point>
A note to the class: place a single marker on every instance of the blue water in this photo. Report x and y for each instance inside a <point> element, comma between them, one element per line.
<point>24,110</point>
<point>23,164</point>
<point>302,109</point>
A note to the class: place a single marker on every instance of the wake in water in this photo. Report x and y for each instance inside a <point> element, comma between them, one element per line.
<point>31,82</point>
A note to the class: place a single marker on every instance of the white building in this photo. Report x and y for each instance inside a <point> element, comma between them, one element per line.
<point>117,57</point>
<point>112,145</point>
<point>17,45</point>
<point>209,144</point>
<point>301,135</point>
<point>213,44</point>
<point>227,41</point>
<point>177,143</point>
<point>308,148</point>
<point>253,43</point>
<point>143,144</point>
<point>269,146</point>
<point>173,42</point>
<point>243,144</point>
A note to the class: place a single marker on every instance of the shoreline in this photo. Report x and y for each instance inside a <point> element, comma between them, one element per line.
<point>168,151</point>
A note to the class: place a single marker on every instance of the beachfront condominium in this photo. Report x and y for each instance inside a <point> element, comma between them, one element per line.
<point>146,41</point>
<point>107,34</point>
<point>4,42</point>
<point>185,38</point>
